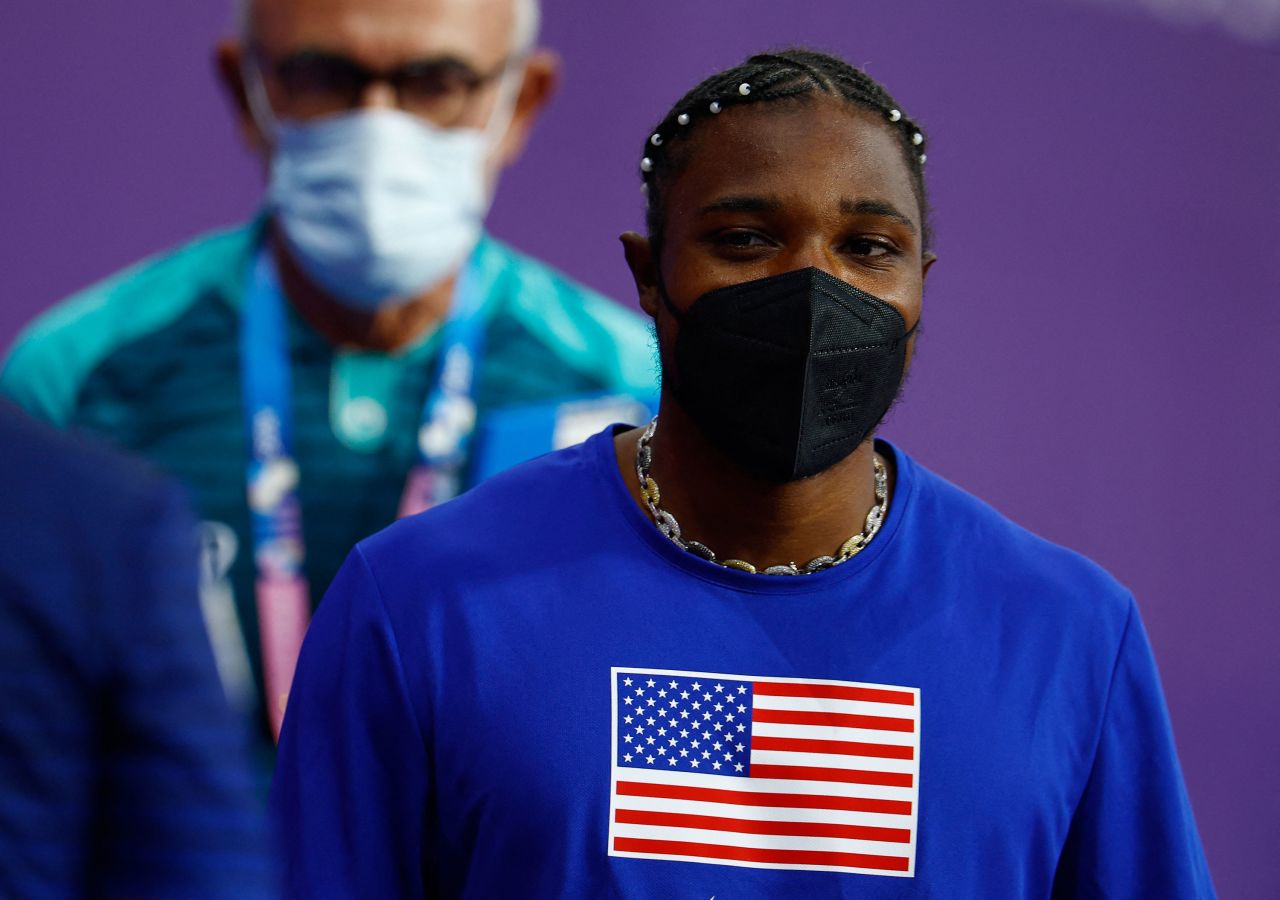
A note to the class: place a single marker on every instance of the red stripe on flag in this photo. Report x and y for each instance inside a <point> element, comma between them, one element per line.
<point>832,692</point>
<point>761,798</point>
<point>816,773</point>
<point>844,748</point>
<point>761,826</point>
<point>755,854</point>
<point>835,720</point>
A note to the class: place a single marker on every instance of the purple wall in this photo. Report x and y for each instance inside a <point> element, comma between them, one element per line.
<point>1100,361</point>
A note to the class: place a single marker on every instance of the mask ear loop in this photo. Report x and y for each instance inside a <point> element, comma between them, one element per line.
<point>512,77</point>
<point>255,89</point>
<point>666,300</point>
<point>504,110</point>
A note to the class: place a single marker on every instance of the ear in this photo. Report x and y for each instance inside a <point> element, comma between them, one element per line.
<point>644,271</point>
<point>537,86</point>
<point>228,60</point>
<point>926,264</point>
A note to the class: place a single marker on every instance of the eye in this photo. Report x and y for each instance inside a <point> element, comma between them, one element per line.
<point>432,80</point>
<point>741,238</point>
<point>311,73</point>
<point>870,247</point>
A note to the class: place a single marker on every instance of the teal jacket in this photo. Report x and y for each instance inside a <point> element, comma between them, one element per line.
<point>149,359</point>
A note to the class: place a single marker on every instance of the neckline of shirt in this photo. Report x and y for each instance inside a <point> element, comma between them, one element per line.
<point>601,451</point>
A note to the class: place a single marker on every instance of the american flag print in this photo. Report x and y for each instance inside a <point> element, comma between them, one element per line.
<point>770,773</point>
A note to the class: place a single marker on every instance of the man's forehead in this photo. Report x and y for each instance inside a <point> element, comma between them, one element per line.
<point>775,149</point>
<point>386,32</point>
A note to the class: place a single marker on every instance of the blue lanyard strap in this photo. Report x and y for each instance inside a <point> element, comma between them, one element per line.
<point>275,514</point>
<point>449,414</point>
<point>279,551</point>
<point>444,435</point>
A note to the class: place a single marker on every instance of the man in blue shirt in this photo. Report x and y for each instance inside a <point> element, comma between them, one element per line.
<point>750,650</point>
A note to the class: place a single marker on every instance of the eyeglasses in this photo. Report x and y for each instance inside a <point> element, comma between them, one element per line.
<point>315,83</point>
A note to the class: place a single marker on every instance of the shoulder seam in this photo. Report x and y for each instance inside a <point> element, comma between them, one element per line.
<point>1106,702</point>
<point>395,645</point>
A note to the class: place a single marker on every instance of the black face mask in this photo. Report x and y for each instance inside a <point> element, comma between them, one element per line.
<point>788,374</point>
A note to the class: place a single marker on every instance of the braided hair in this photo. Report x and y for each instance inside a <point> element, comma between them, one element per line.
<point>766,77</point>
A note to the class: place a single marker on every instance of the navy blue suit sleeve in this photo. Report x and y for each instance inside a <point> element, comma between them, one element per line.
<point>180,814</point>
<point>1133,834</point>
<point>349,795</point>
<point>125,773</point>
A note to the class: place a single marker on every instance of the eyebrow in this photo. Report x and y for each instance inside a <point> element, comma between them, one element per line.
<point>435,60</point>
<point>744,203</point>
<point>876,208</point>
<point>753,203</point>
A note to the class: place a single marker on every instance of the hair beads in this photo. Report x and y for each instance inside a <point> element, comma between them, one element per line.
<point>770,77</point>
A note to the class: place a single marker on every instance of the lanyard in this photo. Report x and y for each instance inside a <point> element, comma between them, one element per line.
<point>279,550</point>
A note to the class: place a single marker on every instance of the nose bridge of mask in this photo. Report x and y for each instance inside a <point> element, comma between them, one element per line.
<point>393,149</point>
<point>746,302</point>
<point>810,285</point>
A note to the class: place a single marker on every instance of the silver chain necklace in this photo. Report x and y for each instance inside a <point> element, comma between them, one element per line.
<point>668,525</point>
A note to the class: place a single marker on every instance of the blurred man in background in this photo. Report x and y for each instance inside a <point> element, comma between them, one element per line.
<point>361,349</point>
<point>124,771</point>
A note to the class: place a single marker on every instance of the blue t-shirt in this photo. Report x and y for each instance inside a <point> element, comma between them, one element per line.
<point>530,692</point>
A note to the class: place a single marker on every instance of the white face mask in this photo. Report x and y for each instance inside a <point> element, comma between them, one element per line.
<point>377,205</point>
